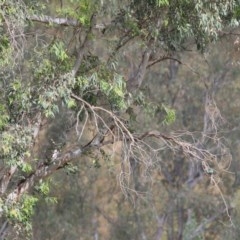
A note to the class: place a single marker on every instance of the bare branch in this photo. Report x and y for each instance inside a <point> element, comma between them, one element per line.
<point>163,59</point>
<point>54,20</point>
<point>61,21</point>
<point>3,230</point>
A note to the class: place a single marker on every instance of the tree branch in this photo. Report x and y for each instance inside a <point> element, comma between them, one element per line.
<point>54,20</point>
<point>7,176</point>
<point>163,59</point>
<point>135,81</point>
<point>68,22</point>
<point>83,48</point>
<point>45,170</point>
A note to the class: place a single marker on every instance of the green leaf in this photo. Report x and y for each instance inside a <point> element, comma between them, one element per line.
<point>59,51</point>
<point>71,103</point>
<point>170,115</point>
<point>162,3</point>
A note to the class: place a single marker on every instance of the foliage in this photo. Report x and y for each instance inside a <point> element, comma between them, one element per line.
<point>23,211</point>
<point>180,20</point>
<point>170,117</point>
